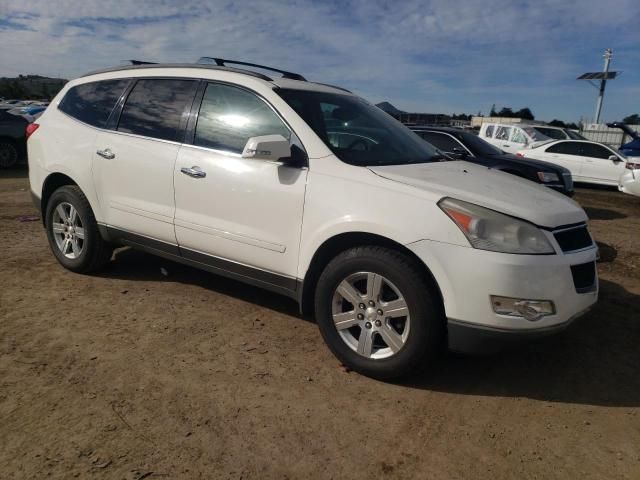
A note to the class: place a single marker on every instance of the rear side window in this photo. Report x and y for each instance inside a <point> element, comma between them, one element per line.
<point>229,116</point>
<point>503,133</point>
<point>566,148</point>
<point>156,108</point>
<point>92,102</point>
<point>551,133</point>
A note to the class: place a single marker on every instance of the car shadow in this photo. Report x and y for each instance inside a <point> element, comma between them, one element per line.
<point>603,214</point>
<point>594,362</point>
<point>130,264</point>
<point>607,253</point>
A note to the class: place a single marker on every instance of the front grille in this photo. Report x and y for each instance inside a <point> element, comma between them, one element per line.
<point>584,277</point>
<point>573,238</point>
<point>567,179</point>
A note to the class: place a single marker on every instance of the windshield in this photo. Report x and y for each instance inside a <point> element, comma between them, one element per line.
<point>535,135</point>
<point>357,132</point>
<point>478,146</point>
<point>574,135</point>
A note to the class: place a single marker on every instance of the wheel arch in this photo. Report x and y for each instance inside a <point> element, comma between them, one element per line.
<point>51,184</point>
<point>344,241</point>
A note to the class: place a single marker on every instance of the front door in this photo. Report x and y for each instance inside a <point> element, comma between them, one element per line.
<point>566,154</point>
<point>241,215</point>
<point>598,166</point>
<point>133,165</point>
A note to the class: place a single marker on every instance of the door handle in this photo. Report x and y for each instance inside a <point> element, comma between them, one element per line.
<point>106,153</point>
<point>194,172</point>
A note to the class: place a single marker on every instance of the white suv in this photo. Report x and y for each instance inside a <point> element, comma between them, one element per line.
<point>309,191</point>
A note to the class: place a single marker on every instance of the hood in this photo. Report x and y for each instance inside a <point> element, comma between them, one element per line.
<point>492,189</point>
<point>531,162</point>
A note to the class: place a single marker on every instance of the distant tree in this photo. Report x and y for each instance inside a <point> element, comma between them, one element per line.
<point>493,111</point>
<point>525,113</point>
<point>632,119</point>
<point>505,112</point>
<point>573,126</point>
<point>557,123</point>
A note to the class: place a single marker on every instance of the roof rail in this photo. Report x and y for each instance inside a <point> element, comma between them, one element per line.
<point>140,62</point>
<point>223,62</point>
<point>178,65</point>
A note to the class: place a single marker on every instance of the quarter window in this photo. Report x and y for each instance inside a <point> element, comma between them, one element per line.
<point>155,108</point>
<point>229,116</point>
<point>92,103</point>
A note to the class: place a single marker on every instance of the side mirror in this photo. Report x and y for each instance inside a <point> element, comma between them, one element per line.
<point>267,147</point>
<point>458,152</point>
<point>614,158</point>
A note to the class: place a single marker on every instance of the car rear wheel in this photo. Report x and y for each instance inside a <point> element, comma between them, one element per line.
<point>8,154</point>
<point>377,312</point>
<point>73,233</point>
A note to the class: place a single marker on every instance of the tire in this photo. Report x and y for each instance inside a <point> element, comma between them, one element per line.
<point>8,154</point>
<point>74,238</point>
<point>395,345</point>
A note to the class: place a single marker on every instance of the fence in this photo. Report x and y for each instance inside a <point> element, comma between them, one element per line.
<point>614,137</point>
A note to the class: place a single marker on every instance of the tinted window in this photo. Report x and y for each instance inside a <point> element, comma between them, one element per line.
<point>441,141</point>
<point>596,151</point>
<point>92,102</point>
<point>155,108</point>
<point>551,133</point>
<point>574,135</point>
<point>229,116</point>
<point>518,136</point>
<point>378,138</point>
<point>489,131</point>
<point>566,148</point>
<point>503,133</point>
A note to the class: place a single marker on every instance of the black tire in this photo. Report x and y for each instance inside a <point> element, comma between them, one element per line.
<point>95,252</point>
<point>8,154</point>
<point>426,334</point>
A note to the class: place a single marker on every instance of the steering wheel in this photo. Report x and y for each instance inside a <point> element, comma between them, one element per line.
<point>358,141</point>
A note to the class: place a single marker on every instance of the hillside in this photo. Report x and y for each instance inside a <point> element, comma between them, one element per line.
<point>30,87</point>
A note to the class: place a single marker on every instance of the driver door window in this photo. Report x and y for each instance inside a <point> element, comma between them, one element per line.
<point>229,116</point>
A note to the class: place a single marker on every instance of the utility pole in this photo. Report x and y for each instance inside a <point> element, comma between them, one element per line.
<point>608,54</point>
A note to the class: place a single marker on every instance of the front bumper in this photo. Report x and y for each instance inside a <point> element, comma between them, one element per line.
<point>630,182</point>
<point>467,277</point>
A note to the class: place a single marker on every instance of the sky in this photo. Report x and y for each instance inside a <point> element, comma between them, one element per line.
<point>436,56</point>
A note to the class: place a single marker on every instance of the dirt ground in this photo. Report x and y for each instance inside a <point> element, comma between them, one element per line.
<point>133,374</point>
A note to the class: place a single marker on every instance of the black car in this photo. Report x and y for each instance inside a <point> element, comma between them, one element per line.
<point>469,147</point>
<point>13,146</point>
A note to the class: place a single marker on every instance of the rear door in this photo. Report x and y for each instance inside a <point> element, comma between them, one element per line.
<point>598,167</point>
<point>134,162</point>
<point>566,154</point>
<point>241,215</point>
<point>502,139</point>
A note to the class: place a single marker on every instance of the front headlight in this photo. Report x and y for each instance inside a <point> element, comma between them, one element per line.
<point>548,177</point>
<point>489,230</point>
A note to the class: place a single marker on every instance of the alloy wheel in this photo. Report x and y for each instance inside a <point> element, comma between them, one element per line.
<point>68,230</point>
<point>371,315</point>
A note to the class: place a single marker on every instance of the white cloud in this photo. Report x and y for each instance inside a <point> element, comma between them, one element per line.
<point>442,54</point>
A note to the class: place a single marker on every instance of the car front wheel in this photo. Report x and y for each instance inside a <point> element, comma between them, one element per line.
<point>377,312</point>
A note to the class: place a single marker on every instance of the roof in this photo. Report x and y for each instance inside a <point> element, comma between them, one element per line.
<point>278,82</point>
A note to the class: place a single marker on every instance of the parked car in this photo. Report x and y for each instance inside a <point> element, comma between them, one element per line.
<point>558,133</point>
<point>469,147</point>
<point>588,162</point>
<point>235,172</point>
<point>12,139</point>
<point>511,137</point>
<point>630,180</point>
<point>632,148</point>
